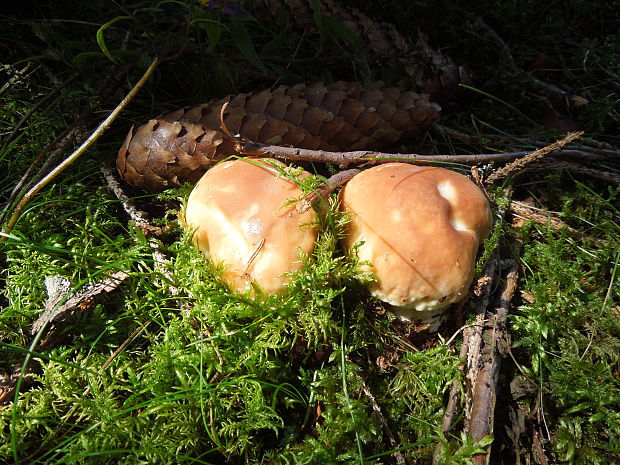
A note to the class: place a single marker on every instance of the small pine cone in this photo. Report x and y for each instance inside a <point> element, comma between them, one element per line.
<point>181,145</point>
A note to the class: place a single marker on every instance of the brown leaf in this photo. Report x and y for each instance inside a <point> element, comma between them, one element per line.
<point>9,379</point>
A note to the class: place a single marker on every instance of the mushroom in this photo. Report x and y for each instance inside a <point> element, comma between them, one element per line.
<point>242,218</point>
<point>418,230</point>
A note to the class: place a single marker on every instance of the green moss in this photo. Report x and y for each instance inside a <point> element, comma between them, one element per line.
<point>571,332</point>
<point>213,377</point>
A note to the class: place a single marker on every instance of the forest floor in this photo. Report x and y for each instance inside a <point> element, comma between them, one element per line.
<point>120,344</point>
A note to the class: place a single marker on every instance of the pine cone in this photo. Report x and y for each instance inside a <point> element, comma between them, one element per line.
<point>378,37</point>
<point>418,65</point>
<point>180,146</point>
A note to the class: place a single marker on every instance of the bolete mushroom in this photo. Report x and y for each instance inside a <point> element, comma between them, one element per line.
<point>419,229</point>
<point>240,219</point>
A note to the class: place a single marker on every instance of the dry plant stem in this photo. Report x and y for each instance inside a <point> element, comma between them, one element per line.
<point>137,216</point>
<point>472,336</point>
<point>496,343</point>
<point>62,143</point>
<point>472,340</point>
<point>535,156</point>
<point>140,219</point>
<point>603,175</point>
<point>321,192</point>
<point>541,216</point>
<point>122,347</point>
<point>74,156</point>
<point>215,347</point>
<point>34,108</point>
<point>539,449</point>
<point>453,400</point>
<point>7,85</point>
<point>400,458</point>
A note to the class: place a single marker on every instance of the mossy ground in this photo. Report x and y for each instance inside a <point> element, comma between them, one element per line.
<point>211,377</point>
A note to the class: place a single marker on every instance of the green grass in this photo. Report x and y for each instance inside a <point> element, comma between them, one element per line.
<point>213,377</point>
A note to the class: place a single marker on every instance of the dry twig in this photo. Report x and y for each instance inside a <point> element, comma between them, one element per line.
<point>400,458</point>
<point>79,151</point>
<point>321,192</point>
<point>496,342</point>
<point>535,156</point>
<point>472,340</point>
<point>140,219</point>
<point>368,156</point>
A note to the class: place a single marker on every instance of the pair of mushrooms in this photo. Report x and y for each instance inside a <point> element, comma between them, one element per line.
<point>417,228</point>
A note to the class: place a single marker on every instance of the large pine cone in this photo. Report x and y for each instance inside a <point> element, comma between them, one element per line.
<point>181,145</point>
<point>416,65</point>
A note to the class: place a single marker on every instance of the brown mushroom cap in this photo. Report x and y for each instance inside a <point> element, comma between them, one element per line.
<point>240,220</point>
<point>420,228</point>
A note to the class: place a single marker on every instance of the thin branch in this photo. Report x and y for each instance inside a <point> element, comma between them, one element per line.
<point>369,156</point>
<point>140,219</point>
<point>472,338</point>
<point>541,216</point>
<point>80,150</point>
<point>603,175</point>
<point>453,399</point>
<point>122,347</point>
<point>15,78</point>
<point>400,458</point>
<point>535,156</point>
<point>321,192</point>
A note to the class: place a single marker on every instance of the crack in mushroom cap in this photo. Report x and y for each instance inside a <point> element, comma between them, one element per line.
<point>419,229</point>
<point>240,219</point>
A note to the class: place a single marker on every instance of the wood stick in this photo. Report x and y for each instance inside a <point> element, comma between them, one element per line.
<point>398,456</point>
<point>321,192</point>
<point>496,343</point>
<point>369,156</point>
<point>472,338</point>
<point>535,156</point>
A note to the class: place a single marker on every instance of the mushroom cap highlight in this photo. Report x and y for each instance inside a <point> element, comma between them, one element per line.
<point>419,229</point>
<point>241,219</point>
